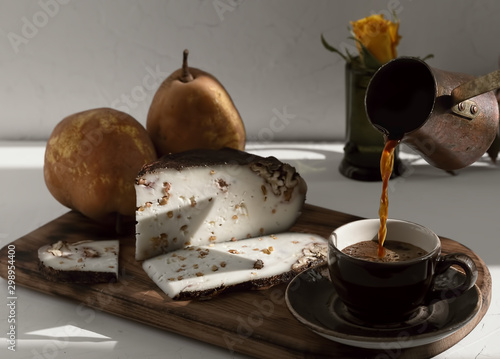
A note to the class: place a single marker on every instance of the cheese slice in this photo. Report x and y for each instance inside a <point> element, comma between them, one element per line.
<point>260,262</point>
<point>200,197</point>
<point>80,262</point>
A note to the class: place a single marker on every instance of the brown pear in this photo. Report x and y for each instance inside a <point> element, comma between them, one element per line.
<point>92,159</point>
<point>192,110</point>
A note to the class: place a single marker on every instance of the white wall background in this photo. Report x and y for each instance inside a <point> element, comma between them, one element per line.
<point>58,57</point>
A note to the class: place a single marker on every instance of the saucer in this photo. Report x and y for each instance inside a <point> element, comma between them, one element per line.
<point>311,298</point>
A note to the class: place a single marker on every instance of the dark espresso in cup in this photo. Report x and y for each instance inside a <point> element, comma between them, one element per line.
<point>394,251</point>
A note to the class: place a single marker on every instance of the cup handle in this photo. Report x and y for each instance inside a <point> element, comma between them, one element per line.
<point>446,287</point>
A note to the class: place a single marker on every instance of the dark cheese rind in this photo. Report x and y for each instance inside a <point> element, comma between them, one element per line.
<point>257,284</point>
<point>88,277</point>
<point>207,158</point>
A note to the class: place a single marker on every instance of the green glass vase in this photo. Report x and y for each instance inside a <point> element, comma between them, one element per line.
<point>364,144</point>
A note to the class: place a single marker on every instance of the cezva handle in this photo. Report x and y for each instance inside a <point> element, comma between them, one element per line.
<point>476,87</point>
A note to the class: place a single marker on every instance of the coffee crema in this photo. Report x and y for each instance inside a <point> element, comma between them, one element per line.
<point>394,251</point>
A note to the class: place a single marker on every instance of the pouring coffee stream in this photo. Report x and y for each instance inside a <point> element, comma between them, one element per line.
<point>386,166</point>
<point>450,119</point>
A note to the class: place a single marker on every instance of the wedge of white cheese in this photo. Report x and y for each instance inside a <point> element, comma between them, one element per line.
<point>261,262</point>
<point>200,197</point>
<point>80,262</point>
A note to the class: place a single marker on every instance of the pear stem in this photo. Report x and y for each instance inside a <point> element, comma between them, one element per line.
<point>186,75</point>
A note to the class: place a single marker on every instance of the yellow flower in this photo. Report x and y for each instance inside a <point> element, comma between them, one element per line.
<point>378,35</point>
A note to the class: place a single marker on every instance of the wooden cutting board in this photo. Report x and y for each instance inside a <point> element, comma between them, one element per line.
<point>257,323</point>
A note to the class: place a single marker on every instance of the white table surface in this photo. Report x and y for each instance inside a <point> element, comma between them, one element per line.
<point>465,207</point>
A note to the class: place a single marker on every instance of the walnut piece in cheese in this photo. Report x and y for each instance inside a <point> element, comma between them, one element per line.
<point>204,197</point>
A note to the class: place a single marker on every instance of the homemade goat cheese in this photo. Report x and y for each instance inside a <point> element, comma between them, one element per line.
<point>199,197</point>
<point>256,263</point>
<point>80,262</point>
